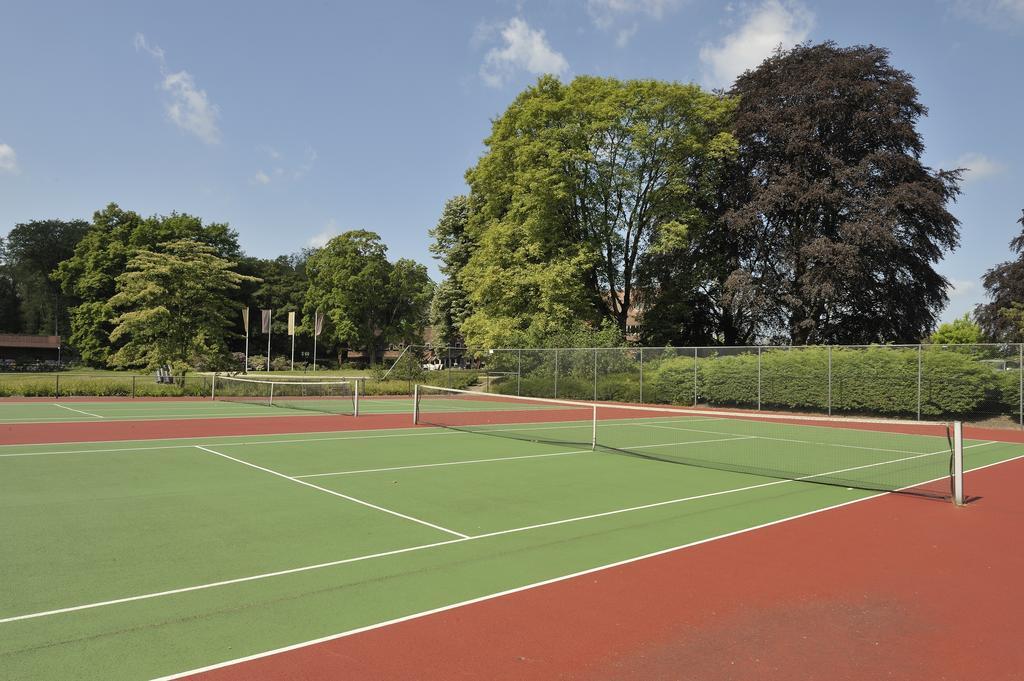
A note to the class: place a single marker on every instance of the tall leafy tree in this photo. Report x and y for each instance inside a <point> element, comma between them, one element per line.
<point>113,238</point>
<point>453,247</point>
<point>578,184</point>
<point>173,304</point>
<point>10,303</point>
<point>282,288</point>
<point>836,224</point>
<point>33,251</point>
<point>1002,318</point>
<point>368,302</point>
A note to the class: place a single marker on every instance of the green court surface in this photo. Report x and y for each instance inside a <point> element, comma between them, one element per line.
<point>141,559</point>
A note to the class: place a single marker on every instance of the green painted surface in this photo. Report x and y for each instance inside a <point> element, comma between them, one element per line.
<point>83,524</point>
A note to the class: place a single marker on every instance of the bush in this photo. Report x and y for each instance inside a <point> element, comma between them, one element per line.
<point>669,381</point>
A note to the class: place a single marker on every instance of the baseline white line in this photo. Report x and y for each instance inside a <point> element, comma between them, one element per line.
<point>79,411</point>
<point>508,458</point>
<point>527,587</point>
<point>306,568</point>
<point>337,494</point>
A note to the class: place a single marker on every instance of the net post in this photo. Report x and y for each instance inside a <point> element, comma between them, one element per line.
<point>759,378</point>
<point>416,405</point>
<point>695,377</point>
<point>593,429</point>
<point>355,399</point>
<point>958,463</point>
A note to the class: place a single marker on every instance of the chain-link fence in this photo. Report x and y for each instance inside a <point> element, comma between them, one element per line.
<point>978,383</point>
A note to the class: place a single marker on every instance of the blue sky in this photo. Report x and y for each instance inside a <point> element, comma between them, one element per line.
<point>293,121</point>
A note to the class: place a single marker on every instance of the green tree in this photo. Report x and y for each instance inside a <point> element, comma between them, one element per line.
<point>173,305</point>
<point>10,304</point>
<point>113,238</point>
<point>453,247</point>
<point>836,223</point>
<point>368,302</point>
<point>962,330</point>
<point>1002,318</point>
<point>282,288</point>
<point>33,251</point>
<point>578,183</point>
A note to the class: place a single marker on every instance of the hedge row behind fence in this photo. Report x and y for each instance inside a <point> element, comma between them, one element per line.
<point>877,380</point>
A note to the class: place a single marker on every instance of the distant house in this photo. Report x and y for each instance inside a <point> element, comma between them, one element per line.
<point>25,352</point>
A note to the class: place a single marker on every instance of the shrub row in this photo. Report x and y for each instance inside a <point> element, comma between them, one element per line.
<point>877,380</point>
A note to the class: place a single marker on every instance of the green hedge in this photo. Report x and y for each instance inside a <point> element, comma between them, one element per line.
<point>878,380</point>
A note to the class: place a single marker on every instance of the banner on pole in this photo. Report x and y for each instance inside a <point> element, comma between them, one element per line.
<point>318,323</point>
<point>266,321</point>
<point>291,323</point>
<point>245,319</point>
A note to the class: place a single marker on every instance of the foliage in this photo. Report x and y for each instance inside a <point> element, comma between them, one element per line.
<point>368,302</point>
<point>836,222</point>
<point>579,183</point>
<point>32,251</point>
<point>453,247</point>
<point>173,304</point>
<point>1002,318</point>
<point>281,286</point>
<point>112,239</point>
<point>10,303</point>
<point>962,330</point>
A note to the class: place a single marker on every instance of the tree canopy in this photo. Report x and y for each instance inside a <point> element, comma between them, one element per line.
<point>173,305</point>
<point>113,238</point>
<point>1002,318</point>
<point>834,222</point>
<point>580,183</point>
<point>368,302</point>
<point>962,330</point>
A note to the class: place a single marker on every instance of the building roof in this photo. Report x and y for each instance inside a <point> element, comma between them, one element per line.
<point>24,340</point>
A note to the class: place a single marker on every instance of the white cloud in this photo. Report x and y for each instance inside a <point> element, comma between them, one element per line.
<point>524,49</point>
<point>978,166</point>
<point>624,35</point>
<point>994,13</point>
<point>620,15</point>
<point>330,231</point>
<point>962,288</point>
<point>772,24</point>
<point>188,107</point>
<point>283,170</point>
<point>8,159</point>
<point>261,178</point>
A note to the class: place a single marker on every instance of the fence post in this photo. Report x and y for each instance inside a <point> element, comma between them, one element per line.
<point>641,375</point>
<point>133,386</point>
<point>759,378</point>
<point>919,347</point>
<point>519,370</point>
<point>830,380</point>
<point>556,373</point>
<point>448,373</point>
<point>695,377</point>
<point>1020,388</point>
<point>56,387</point>
<point>595,374</point>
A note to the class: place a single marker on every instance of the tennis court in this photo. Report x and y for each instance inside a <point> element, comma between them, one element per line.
<point>192,552</point>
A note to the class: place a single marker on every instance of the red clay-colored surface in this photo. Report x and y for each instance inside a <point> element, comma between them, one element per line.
<point>890,588</point>
<point>104,431</point>
<point>101,431</point>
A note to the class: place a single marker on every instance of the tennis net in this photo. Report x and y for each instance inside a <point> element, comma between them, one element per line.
<point>923,459</point>
<point>331,397</point>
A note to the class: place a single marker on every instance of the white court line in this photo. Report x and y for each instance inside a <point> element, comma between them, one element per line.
<point>337,494</point>
<point>511,458</point>
<point>87,413</point>
<point>525,587</point>
<point>306,568</point>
